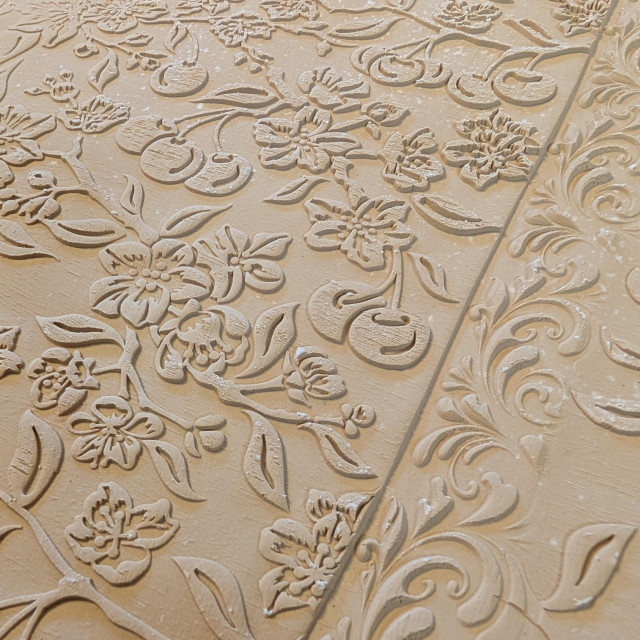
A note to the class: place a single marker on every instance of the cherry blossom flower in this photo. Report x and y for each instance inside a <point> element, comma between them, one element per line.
<point>95,115</point>
<point>308,557</point>
<point>111,432</point>
<point>61,379</point>
<point>494,146</point>
<point>410,165</point>
<point>207,340</point>
<point>145,281</point>
<point>310,373</point>
<point>363,233</point>
<point>305,141</point>
<point>115,537</point>
<point>235,259</point>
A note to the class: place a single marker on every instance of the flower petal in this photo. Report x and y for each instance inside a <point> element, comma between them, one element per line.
<point>120,257</point>
<point>106,295</point>
<point>324,235</point>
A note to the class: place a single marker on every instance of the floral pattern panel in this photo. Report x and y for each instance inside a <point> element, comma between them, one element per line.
<point>238,239</point>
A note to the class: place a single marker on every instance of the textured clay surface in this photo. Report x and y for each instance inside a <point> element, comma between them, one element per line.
<point>319,319</point>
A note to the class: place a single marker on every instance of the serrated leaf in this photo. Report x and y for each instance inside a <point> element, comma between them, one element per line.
<point>449,216</point>
<point>75,329</point>
<point>171,466</point>
<point>264,462</point>
<point>240,95</point>
<point>591,556</point>
<point>189,219</point>
<point>36,460</point>
<point>86,233</point>
<point>295,191</point>
<point>432,277</point>
<point>133,195</point>
<point>16,243</point>
<point>340,454</point>
<point>104,71</point>
<point>273,334</point>
<point>218,596</point>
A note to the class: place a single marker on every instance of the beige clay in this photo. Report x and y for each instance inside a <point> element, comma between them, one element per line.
<point>318,319</point>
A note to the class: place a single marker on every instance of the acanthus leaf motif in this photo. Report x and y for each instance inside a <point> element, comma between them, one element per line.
<point>394,532</point>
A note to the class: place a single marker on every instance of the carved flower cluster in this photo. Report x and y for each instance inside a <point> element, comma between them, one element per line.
<point>61,379</point>
<point>306,141</point>
<point>112,432</point>
<point>310,373</point>
<point>60,21</point>
<point>95,115</point>
<point>474,17</point>
<point>308,557</point>
<point>362,233</point>
<point>207,341</point>
<point>145,281</point>
<point>19,129</point>
<point>235,29</point>
<point>286,10</point>
<point>581,16</point>
<point>494,146</point>
<point>409,163</point>
<point>115,537</point>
